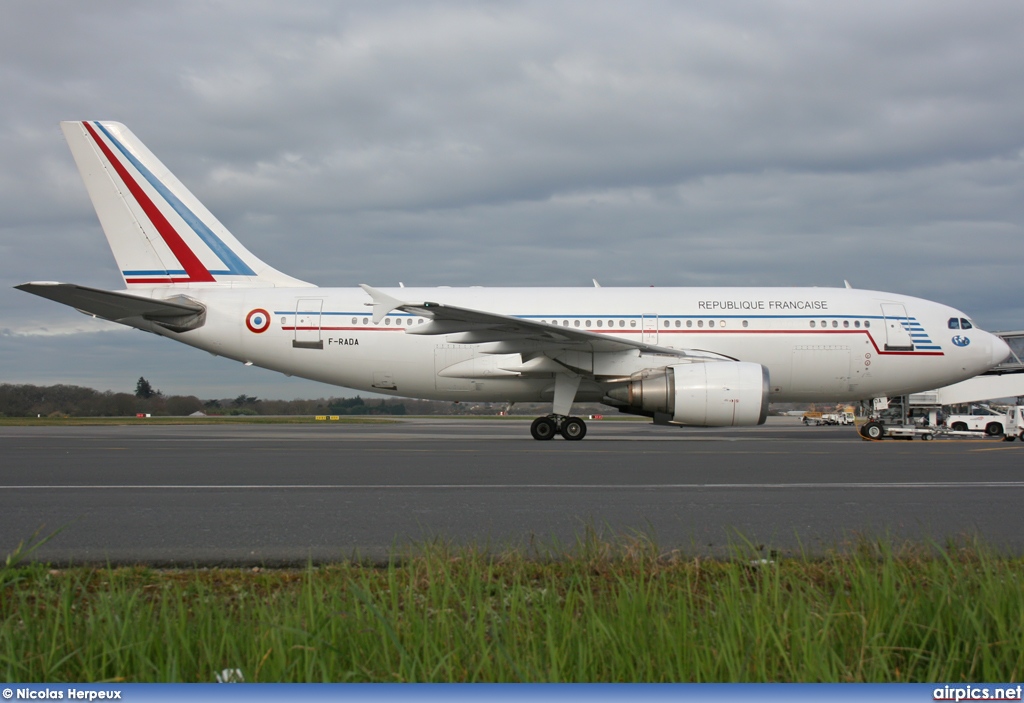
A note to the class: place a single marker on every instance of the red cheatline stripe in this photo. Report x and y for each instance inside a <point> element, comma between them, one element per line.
<point>188,260</point>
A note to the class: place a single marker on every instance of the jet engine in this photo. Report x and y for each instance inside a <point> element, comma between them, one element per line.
<point>710,394</point>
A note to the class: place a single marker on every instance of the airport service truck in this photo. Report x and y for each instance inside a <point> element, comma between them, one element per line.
<point>981,420</point>
<point>992,422</point>
<point>838,418</point>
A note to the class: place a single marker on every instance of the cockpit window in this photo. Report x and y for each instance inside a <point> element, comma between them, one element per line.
<point>965,324</point>
<point>954,324</point>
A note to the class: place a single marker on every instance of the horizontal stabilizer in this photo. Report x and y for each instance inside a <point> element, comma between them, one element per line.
<point>177,315</point>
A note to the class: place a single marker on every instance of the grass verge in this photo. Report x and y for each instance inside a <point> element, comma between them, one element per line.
<point>600,611</point>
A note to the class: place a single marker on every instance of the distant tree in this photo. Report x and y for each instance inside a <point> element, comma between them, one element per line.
<point>183,405</point>
<point>347,406</point>
<point>143,389</point>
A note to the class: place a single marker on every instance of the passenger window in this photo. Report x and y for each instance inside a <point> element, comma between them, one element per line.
<point>846,323</point>
<point>835,323</point>
<point>632,323</point>
<point>745,323</point>
<point>667,323</point>
<point>965,324</point>
<point>711,323</point>
<point>700,323</point>
<point>689,323</point>
<point>856,323</point>
<point>721,323</point>
<point>622,323</point>
<point>954,324</point>
<point>867,323</point>
<point>812,324</point>
<point>387,320</point>
<point>600,323</point>
<point>354,320</point>
<point>575,323</point>
<point>588,323</point>
<point>565,323</point>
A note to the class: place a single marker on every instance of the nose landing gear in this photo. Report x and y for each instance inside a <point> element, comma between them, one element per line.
<point>571,428</point>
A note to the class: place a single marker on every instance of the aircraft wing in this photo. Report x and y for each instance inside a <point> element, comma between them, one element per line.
<point>178,315</point>
<point>505,334</point>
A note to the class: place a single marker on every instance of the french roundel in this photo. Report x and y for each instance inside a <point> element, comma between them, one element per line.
<point>258,320</point>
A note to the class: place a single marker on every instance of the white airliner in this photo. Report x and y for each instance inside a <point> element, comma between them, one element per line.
<point>687,356</point>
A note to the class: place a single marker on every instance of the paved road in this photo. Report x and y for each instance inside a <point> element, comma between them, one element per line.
<point>285,494</point>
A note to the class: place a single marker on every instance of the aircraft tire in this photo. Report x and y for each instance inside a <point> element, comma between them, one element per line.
<point>574,429</point>
<point>543,428</point>
<point>873,430</point>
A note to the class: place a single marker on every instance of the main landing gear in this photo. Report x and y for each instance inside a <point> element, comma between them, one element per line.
<point>571,428</point>
<point>559,421</point>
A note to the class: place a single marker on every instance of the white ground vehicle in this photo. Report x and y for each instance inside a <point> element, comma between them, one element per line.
<point>1015,425</point>
<point>840,418</point>
<point>982,418</point>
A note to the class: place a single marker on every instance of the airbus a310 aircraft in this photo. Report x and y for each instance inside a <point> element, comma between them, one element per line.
<point>687,356</point>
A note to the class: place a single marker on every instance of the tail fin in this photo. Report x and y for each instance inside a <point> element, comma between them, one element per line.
<point>161,235</point>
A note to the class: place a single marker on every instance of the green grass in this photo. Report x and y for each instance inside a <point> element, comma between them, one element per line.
<point>597,612</point>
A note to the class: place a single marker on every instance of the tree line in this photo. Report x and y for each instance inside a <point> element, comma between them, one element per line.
<point>24,400</point>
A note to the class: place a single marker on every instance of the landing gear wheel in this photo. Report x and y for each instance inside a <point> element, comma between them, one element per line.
<point>543,428</point>
<point>574,429</point>
<point>873,430</point>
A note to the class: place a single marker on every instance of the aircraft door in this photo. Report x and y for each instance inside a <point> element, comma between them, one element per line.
<point>307,323</point>
<point>650,327</point>
<point>897,338</point>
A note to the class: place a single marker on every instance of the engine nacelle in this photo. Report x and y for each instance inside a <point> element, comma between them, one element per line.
<point>710,394</point>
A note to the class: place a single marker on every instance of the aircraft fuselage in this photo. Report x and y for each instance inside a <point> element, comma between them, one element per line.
<point>817,343</point>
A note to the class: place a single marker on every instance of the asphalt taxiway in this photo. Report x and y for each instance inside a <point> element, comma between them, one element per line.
<point>287,494</point>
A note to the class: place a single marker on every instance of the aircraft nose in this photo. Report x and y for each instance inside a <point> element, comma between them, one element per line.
<point>1000,350</point>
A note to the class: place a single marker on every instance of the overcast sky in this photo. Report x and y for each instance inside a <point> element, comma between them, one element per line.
<point>534,143</point>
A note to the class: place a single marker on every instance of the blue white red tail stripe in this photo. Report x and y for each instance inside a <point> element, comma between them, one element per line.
<point>234,264</point>
<point>195,272</point>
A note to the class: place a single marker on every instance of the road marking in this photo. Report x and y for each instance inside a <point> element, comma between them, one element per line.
<point>524,486</point>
